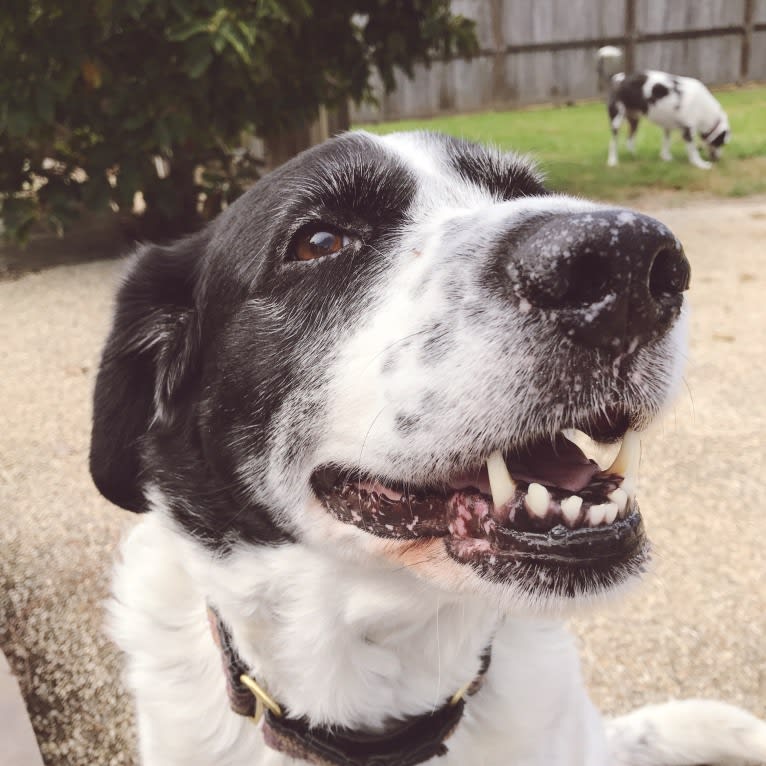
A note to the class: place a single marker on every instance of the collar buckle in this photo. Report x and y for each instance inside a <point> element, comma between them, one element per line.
<point>262,699</point>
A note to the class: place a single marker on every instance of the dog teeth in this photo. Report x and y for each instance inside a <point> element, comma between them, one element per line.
<point>620,498</point>
<point>570,508</point>
<point>597,513</point>
<point>610,514</point>
<point>538,499</point>
<point>626,462</point>
<point>603,453</point>
<point>540,503</point>
<point>500,481</point>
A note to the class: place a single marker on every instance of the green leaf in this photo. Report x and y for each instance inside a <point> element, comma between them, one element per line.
<point>182,8</point>
<point>229,33</point>
<point>198,58</point>
<point>18,215</point>
<point>247,31</point>
<point>186,29</point>
<point>19,122</point>
<point>218,42</point>
<point>44,103</point>
<point>136,119</point>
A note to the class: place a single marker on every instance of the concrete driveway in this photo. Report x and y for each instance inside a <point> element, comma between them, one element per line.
<point>694,628</point>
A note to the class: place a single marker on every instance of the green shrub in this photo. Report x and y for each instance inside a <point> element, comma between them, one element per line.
<point>101,99</point>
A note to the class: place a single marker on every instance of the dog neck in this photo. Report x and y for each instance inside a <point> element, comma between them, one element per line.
<point>344,646</point>
<point>708,133</point>
<point>404,743</point>
<point>370,646</point>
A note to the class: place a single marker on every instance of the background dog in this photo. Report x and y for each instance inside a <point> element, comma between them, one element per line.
<point>670,101</point>
<point>385,412</point>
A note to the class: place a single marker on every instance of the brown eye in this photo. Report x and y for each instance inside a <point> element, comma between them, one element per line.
<point>317,244</point>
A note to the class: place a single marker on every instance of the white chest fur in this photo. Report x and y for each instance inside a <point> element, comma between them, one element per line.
<point>353,651</point>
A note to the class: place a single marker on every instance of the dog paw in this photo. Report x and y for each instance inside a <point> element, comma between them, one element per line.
<point>666,156</point>
<point>703,165</point>
<point>612,162</point>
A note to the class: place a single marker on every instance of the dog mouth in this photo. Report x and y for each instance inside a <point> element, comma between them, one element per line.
<point>560,511</point>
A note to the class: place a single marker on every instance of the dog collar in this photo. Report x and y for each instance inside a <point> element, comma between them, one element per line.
<point>412,741</point>
<point>712,130</point>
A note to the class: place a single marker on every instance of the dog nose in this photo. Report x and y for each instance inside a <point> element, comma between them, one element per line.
<point>608,279</point>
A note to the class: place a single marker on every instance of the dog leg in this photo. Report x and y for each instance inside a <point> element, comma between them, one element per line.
<point>686,733</point>
<point>631,143</point>
<point>665,151</point>
<point>693,153</point>
<point>616,114</point>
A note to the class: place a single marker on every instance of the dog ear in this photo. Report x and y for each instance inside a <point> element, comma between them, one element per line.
<point>150,355</point>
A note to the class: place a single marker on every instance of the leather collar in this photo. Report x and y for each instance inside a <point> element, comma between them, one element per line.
<point>412,741</point>
<point>712,130</point>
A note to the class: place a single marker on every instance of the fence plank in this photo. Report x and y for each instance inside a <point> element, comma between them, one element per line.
<point>714,60</point>
<point>681,15</point>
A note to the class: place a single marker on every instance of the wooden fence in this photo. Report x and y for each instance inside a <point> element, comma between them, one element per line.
<point>535,51</point>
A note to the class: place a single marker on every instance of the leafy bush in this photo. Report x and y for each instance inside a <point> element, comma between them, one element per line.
<point>101,99</point>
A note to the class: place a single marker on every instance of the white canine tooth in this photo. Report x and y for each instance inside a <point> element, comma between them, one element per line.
<point>570,508</point>
<point>597,513</point>
<point>611,512</point>
<point>603,453</point>
<point>630,485</point>
<point>619,496</point>
<point>626,462</point>
<point>500,481</point>
<point>538,499</point>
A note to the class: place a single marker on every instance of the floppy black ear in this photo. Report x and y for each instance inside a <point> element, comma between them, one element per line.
<point>150,354</point>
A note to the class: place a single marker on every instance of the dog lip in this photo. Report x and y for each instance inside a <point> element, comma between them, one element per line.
<point>567,562</point>
<point>474,518</point>
<point>575,530</point>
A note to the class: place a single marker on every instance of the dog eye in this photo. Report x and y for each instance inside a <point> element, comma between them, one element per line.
<point>317,243</point>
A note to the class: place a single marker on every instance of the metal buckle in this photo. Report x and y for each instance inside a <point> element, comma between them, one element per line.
<point>262,699</point>
<point>459,694</point>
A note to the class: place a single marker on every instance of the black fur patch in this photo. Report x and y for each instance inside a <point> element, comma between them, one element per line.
<point>630,92</point>
<point>435,344</point>
<point>406,423</point>
<point>214,330</point>
<point>504,176</point>
<point>658,91</point>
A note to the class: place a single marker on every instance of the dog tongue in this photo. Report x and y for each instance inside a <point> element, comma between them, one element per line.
<point>556,464</point>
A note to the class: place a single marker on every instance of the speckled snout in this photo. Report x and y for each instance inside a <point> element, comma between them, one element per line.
<point>609,279</point>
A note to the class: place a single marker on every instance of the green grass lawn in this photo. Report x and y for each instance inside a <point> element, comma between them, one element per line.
<point>570,145</point>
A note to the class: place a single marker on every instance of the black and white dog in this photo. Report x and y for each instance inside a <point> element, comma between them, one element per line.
<point>385,413</point>
<point>673,103</point>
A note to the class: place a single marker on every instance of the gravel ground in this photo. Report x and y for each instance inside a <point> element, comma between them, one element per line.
<point>694,628</point>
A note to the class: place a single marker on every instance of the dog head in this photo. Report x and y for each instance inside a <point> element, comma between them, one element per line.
<point>390,349</point>
<point>717,138</point>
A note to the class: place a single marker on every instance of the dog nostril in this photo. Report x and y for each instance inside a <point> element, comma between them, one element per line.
<point>588,280</point>
<point>669,273</point>
<point>578,280</point>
